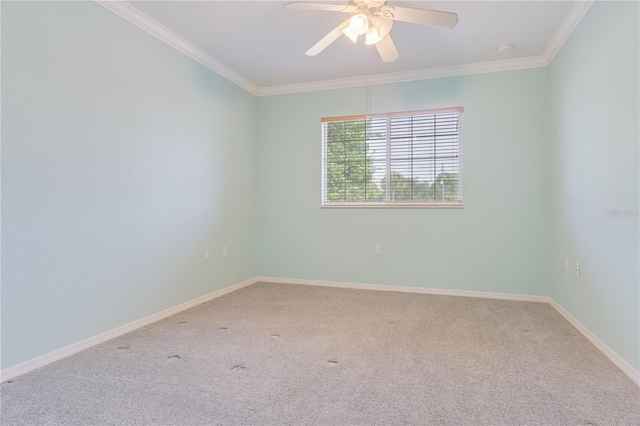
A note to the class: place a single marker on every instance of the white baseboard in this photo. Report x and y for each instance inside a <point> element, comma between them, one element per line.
<point>403,289</point>
<point>606,350</point>
<point>599,344</point>
<point>42,360</point>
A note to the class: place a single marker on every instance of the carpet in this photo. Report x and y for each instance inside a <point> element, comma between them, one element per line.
<point>271,354</point>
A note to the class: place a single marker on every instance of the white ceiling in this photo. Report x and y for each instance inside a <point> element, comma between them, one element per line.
<point>265,44</point>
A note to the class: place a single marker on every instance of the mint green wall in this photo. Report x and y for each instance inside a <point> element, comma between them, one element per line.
<point>122,160</point>
<point>497,242</point>
<point>594,163</point>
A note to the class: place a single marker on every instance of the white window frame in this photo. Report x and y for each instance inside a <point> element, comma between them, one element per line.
<point>393,204</point>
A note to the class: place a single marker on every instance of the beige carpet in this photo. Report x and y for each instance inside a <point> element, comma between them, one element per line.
<point>301,355</point>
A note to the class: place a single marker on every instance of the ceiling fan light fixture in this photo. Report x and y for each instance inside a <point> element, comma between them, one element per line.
<point>372,37</point>
<point>359,24</point>
<point>349,33</point>
<point>373,19</point>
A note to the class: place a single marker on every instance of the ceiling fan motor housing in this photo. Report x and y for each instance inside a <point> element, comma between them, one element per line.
<point>373,8</point>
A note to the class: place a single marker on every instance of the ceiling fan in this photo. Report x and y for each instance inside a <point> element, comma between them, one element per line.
<point>374,19</point>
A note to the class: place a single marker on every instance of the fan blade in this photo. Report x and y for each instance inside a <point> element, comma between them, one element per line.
<point>425,17</point>
<point>382,25</point>
<point>318,6</point>
<point>328,39</point>
<point>387,49</point>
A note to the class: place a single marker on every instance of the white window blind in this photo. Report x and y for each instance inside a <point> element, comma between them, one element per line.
<point>399,159</point>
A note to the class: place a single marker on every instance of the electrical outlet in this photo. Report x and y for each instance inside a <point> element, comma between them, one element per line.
<point>378,250</point>
<point>225,252</point>
<point>206,254</point>
<point>578,269</point>
<point>566,265</point>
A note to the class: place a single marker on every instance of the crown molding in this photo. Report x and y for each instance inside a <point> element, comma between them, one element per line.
<point>144,22</point>
<point>399,77</point>
<point>569,23</point>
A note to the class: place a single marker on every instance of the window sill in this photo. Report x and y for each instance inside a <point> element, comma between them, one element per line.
<point>431,205</point>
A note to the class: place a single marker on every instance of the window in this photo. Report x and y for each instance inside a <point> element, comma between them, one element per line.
<point>393,160</point>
